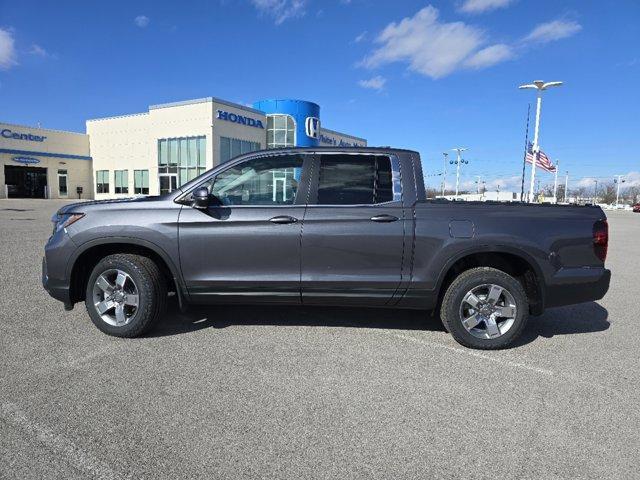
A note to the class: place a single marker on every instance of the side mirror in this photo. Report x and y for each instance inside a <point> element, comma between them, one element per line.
<point>201,198</point>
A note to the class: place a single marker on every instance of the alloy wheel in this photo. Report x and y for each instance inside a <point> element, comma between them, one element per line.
<point>488,311</point>
<point>115,296</point>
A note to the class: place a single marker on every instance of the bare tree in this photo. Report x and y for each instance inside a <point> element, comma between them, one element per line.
<point>607,194</point>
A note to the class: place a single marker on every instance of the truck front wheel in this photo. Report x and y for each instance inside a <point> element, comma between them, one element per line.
<point>485,308</point>
<point>126,294</point>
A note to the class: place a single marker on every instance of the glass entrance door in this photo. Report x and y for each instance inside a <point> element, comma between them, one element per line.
<point>168,182</point>
<point>62,183</point>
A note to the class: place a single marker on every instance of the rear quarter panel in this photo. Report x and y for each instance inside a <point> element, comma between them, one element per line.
<point>550,238</point>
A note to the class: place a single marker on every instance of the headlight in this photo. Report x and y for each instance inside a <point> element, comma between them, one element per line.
<point>61,221</point>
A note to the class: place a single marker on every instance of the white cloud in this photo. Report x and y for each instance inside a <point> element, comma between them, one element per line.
<point>479,6</point>
<point>8,57</point>
<point>554,30</point>
<point>281,10</point>
<point>39,51</point>
<point>141,21</point>
<point>490,56</point>
<point>631,179</point>
<point>434,48</point>
<point>360,37</point>
<point>375,83</point>
<point>505,184</point>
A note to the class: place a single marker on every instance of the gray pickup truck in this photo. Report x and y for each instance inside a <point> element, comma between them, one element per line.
<point>326,226</point>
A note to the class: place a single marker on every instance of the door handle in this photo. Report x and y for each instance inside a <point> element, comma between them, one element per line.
<point>283,219</point>
<point>384,218</point>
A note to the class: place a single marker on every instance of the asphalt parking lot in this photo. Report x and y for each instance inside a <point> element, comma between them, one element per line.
<point>240,392</point>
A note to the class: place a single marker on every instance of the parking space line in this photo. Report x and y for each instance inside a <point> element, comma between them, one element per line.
<point>58,444</point>
<point>473,353</point>
<point>510,363</point>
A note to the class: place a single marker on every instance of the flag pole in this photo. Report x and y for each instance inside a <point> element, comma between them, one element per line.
<point>555,183</point>
<point>524,160</point>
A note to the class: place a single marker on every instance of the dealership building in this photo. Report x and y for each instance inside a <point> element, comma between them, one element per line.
<point>153,152</point>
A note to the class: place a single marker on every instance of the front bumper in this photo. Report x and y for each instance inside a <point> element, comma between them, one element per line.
<point>577,285</point>
<point>58,290</point>
<point>55,275</point>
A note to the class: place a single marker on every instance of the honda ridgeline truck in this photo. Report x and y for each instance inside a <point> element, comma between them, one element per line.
<point>326,226</point>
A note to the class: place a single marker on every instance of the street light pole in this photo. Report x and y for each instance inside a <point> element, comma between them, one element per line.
<point>478,182</point>
<point>619,181</point>
<point>566,186</point>
<point>458,162</point>
<point>595,193</point>
<point>444,174</point>
<point>539,86</point>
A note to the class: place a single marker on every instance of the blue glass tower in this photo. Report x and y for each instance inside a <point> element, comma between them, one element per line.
<point>305,115</point>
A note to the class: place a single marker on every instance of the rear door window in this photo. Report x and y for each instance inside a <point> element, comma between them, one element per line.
<point>354,180</point>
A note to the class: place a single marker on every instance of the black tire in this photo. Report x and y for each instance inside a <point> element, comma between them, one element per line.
<point>464,283</point>
<point>152,294</point>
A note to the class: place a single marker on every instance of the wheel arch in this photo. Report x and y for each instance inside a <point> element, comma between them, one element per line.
<point>510,260</point>
<point>89,254</point>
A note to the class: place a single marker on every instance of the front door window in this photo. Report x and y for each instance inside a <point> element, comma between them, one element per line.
<point>260,181</point>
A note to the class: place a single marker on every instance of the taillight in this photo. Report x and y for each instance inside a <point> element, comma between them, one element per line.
<point>601,239</point>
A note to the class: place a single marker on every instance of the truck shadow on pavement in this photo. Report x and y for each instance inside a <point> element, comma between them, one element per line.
<point>583,318</point>
<point>587,317</point>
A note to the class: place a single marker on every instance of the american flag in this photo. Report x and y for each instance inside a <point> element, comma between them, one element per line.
<point>543,162</point>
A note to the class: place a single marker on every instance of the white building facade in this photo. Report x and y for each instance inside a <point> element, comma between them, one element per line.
<point>154,152</point>
<point>157,151</point>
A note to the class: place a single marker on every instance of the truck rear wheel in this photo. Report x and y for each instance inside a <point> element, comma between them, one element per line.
<point>126,294</point>
<point>485,308</point>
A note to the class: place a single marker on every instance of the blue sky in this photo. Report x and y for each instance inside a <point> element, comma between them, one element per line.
<point>422,75</point>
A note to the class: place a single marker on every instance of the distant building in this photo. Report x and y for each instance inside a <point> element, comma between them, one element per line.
<point>42,163</point>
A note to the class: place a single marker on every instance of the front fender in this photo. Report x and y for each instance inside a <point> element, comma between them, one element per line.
<point>173,268</point>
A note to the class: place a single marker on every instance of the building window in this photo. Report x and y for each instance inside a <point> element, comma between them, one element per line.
<point>63,190</point>
<point>102,181</point>
<point>141,182</point>
<point>121,180</point>
<point>281,131</point>
<point>184,157</point>
<point>232,147</point>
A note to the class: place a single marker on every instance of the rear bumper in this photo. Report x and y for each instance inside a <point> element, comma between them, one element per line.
<point>577,285</point>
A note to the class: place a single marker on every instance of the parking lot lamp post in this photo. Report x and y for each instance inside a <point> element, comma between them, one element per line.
<point>458,161</point>
<point>539,86</point>
<point>566,186</point>
<point>444,172</point>
<point>618,181</point>
<point>595,193</point>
